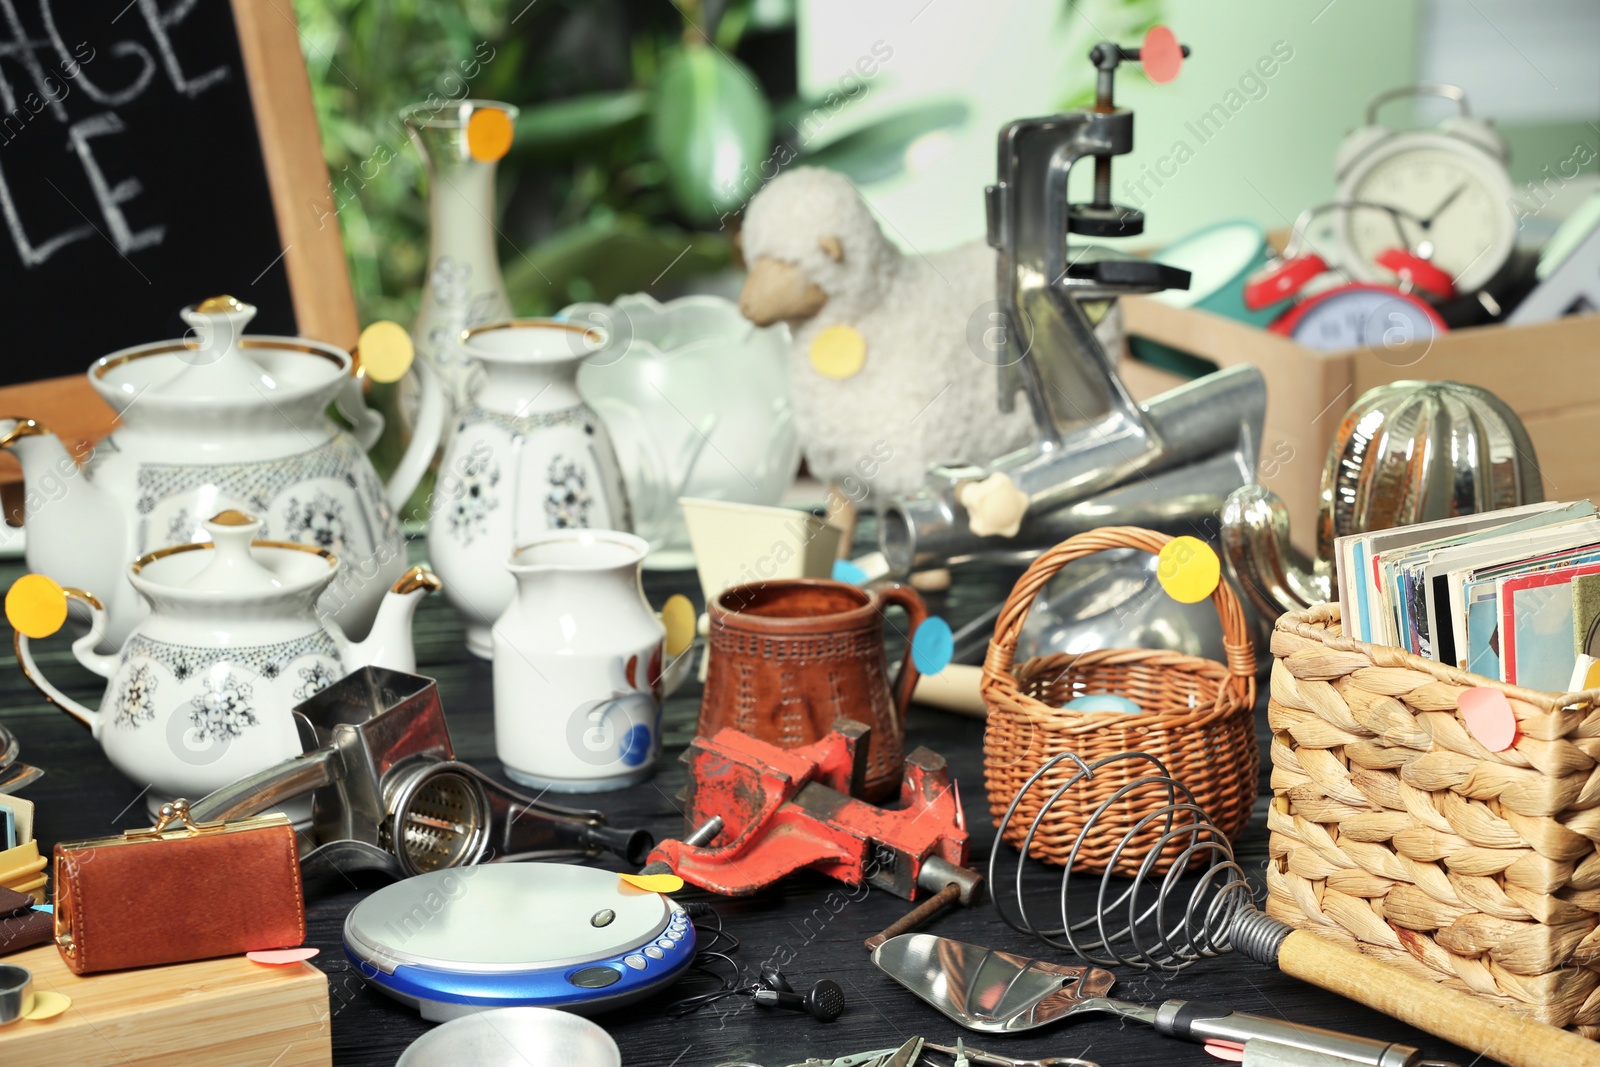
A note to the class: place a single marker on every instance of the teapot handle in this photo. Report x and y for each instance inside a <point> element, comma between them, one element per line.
<point>424,437</point>
<point>83,649</point>
<point>911,600</point>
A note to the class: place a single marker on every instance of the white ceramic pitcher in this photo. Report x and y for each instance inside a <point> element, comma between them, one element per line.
<point>580,665</point>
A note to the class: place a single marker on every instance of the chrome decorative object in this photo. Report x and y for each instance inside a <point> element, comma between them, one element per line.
<point>1405,453</point>
<point>1113,600</point>
<point>1099,458</point>
<point>391,796</point>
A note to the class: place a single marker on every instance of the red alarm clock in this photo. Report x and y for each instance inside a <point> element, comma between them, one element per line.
<point>1359,315</point>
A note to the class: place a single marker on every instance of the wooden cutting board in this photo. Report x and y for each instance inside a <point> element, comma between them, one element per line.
<point>215,1013</point>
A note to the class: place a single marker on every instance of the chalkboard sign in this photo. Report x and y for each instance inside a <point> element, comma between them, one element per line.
<point>154,153</point>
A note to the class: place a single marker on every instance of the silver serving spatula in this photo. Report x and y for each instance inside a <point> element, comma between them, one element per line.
<point>996,992</point>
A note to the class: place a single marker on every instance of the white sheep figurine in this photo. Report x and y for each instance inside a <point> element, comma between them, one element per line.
<point>882,375</point>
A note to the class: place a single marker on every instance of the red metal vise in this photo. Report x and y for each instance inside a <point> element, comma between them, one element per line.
<point>784,810</point>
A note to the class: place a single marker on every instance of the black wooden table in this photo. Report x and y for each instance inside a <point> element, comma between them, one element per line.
<point>809,921</point>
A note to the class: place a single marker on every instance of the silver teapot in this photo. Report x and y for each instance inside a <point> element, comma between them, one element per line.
<point>1406,452</point>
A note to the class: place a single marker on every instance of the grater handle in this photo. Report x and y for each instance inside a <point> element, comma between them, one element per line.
<point>1467,1021</point>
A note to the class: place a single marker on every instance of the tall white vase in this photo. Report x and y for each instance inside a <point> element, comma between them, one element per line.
<point>527,456</point>
<point>463,287</point>
<point>578,659</point>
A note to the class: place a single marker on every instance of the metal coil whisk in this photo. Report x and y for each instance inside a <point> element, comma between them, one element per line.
<point>1150,916</point>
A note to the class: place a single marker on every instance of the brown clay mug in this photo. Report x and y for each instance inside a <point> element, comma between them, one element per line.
<point>789,657</point>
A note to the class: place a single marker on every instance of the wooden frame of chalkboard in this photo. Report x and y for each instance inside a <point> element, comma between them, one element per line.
<point>98,89</point>
<point>291,147</point>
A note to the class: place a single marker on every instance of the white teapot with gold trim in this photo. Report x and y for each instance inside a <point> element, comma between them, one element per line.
<point>201,692</point>
<point>215,421</point>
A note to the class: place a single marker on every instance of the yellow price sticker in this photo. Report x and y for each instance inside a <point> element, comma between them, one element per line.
<point>839,352</point>
<point>46,1005</point>
<point>36,606</point>
<point>1188,570</point>
<point>677,615</point>
<point>489,133</point>
<point>386,351</point>
<point>653,883</point>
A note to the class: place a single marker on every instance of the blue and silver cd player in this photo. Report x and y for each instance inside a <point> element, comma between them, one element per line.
<point>453,942</point>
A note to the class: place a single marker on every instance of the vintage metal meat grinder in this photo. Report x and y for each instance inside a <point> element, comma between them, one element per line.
<point>1099,458</point>
<point>389,794</point>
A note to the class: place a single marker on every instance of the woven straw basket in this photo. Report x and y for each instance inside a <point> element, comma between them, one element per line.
<point>1196,718</point>
<point>1394,830</point>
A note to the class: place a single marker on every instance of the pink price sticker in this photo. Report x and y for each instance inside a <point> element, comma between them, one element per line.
<point>1161,55</point>
<point>281,957</point>
<point>1489,717</point>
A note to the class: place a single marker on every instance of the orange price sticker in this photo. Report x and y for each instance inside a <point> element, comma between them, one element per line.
<point>36,606</point>
<point>489,133</point>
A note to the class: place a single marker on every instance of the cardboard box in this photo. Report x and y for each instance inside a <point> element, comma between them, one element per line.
<point>1549,373</point>
<point>214,1013</point>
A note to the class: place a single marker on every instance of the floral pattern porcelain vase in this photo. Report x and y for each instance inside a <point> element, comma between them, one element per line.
<point>200,694</point>
<point>527,456</point>
<point>463,287</point>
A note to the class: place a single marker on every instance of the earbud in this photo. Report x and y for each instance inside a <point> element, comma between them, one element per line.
<point>773,979</point>
<point>825,1001</point>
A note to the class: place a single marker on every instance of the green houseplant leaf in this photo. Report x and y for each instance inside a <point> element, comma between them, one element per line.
<point>555,128</point>
<point>877,151</point>
<point>711,126</point>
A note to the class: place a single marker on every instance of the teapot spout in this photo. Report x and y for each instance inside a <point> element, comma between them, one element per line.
<point>76,531</point>
<point>389,642</point>
<point>1255,538</point>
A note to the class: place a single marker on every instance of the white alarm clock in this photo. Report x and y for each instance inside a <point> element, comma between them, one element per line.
<point>1448,185</point>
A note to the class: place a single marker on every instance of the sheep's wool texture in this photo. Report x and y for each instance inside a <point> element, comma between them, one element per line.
<point>923,396</point>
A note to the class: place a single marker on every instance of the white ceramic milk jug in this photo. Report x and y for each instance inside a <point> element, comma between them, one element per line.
<point>579,659</point>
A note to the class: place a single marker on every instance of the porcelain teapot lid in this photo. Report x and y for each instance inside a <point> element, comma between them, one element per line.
<point>216,362</point>
<point>232,568</point>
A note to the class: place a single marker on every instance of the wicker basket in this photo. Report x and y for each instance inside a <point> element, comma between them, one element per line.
<point>1394,830</point>
<point>1197,720</point>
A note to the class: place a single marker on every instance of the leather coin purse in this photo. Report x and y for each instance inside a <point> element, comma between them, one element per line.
<point>166,895</point>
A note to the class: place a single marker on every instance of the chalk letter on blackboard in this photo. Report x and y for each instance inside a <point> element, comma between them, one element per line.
<point>147,65</point>
<point>20,48</point>
<point>190,87</point>
<point>111,197</point>
<point>32,254</point>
